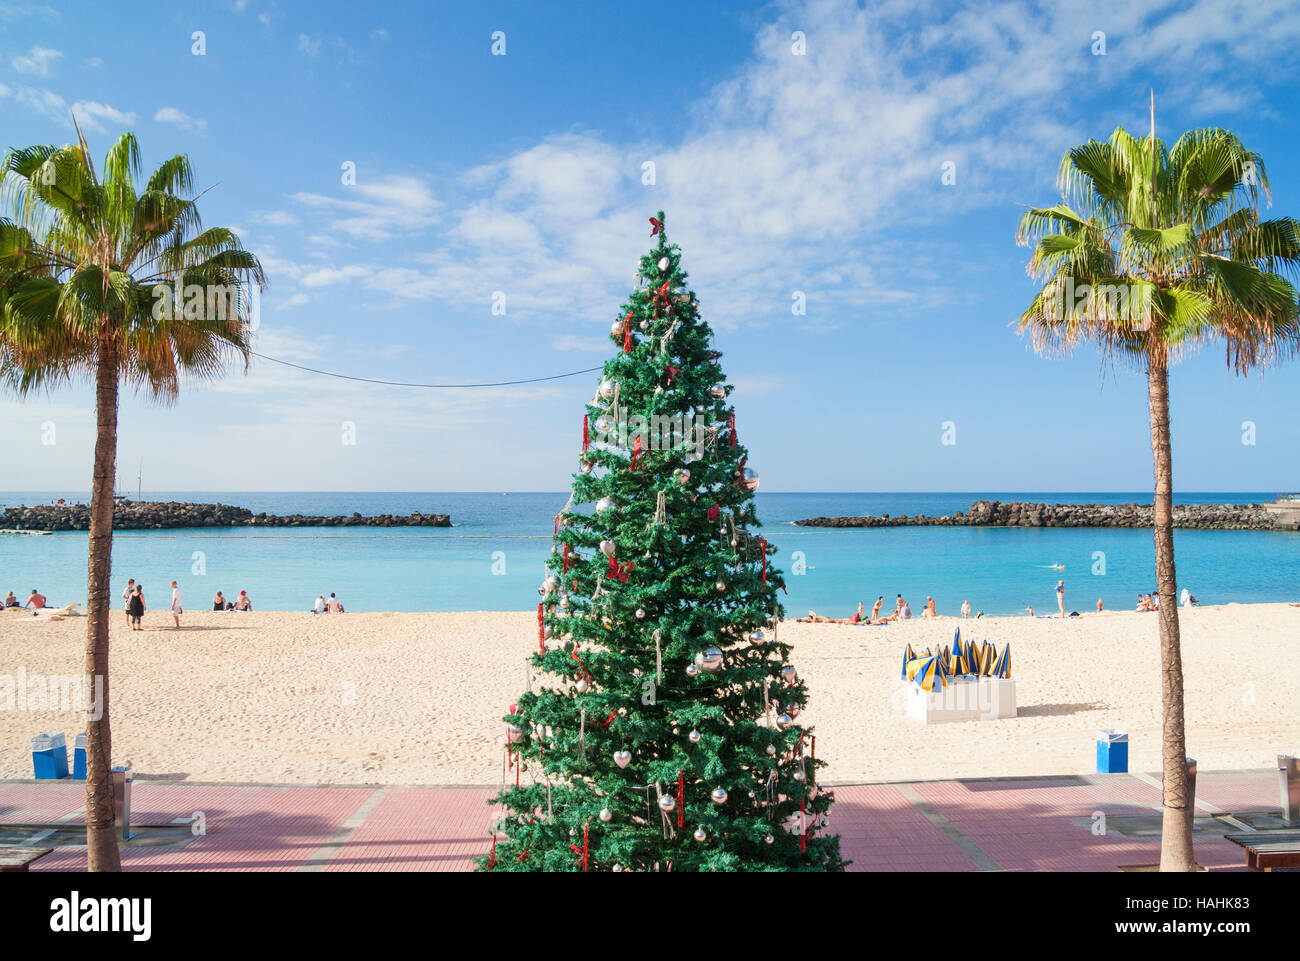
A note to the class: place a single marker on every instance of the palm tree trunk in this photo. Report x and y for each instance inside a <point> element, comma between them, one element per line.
<point>1176,829</point>
<point>101,841</point>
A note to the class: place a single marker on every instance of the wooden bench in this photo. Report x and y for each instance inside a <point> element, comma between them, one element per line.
<point>1266,850</point>
<point>13,859</point>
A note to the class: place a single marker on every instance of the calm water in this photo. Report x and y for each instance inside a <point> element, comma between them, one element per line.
<point>420,569</point>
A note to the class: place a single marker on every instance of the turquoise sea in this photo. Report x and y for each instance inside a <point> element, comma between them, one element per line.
<point>492,558</point>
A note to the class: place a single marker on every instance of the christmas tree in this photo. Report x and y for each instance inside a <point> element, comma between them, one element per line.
<point>663,733</point>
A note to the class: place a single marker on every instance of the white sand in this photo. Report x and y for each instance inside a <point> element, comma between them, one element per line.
<point>414,698</point>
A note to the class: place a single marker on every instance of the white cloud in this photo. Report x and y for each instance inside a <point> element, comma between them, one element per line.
<point>378,209</point>
<point>311,46</point>
<point>36,61</point>
<point>93,63</point>
<point>599,345</point>
<point>180,118</point>
<point>93,115</point>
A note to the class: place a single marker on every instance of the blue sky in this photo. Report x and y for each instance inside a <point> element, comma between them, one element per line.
<point>779,172</point>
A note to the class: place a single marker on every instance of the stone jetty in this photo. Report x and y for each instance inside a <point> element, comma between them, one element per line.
<point>985,513</point>
<point>163,515</point>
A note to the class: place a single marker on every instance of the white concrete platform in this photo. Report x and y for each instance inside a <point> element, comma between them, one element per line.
<point>962,699</point>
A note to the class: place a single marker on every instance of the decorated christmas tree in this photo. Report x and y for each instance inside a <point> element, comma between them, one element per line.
<point>660,729</point>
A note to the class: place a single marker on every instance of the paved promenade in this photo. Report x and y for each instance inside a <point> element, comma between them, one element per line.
<point>1077,823</point>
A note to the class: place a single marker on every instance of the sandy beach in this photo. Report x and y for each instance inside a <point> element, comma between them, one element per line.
<point>414,698</point>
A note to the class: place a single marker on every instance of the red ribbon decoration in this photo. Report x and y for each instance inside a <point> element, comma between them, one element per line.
<point>763,542</point>
<point>681,798</point>
<point>656,296</point>
<point>557,525</point>
<point>619,571</point>
<point>609,720</point>
<point>672,372</point>
<point>740,472</point>
<point>814,747</point>
<point>541,632</point>
<point>627,340</point>
<point>566,559</point>
<point>713,512</point>
<point>803,829</point>
<point>584,843</point>
<point>636,449</point>
<point>656,225</point>
<point>492,860</point>
<point>585,672</point>
<point>586,434</point>
<point>731,426</point>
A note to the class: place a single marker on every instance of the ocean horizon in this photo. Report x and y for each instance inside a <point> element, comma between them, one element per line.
<point>492,557</point>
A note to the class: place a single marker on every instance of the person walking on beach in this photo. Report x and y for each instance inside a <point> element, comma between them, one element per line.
<point>126,599</point>
<point>135,608</point>
<point>176,606</point>
<point>1060,596</point>
<point>965,608</point>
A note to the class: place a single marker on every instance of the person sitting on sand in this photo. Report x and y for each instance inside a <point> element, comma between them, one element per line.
<point>928,610</point>
<point>1185,599</point>
<point>332,606</point>
<point>857,615</point>
<point>243,604</point>
<point>319,606</point>
<point>1030,610</point>
<point>965,608</point>
<point>1155,600</point>
<point>219,602</point>
<point>10,600</point>
<point>36,601</point>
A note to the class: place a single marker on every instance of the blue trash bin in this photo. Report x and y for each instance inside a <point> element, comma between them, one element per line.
<point>50,756</point>
<point>1112,752</point>
<point>79,757</point>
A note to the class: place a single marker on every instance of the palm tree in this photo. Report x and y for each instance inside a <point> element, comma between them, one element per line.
<point>1152,253</point>
<point>100,281</point>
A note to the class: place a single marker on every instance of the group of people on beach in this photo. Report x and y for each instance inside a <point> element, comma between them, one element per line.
<point>322,606</point>
<point>902,612</point>
<point>133,596</point>
<point>36,601</point>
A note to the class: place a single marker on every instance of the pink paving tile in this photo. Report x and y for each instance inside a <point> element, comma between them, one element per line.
<point>40,801</point>
<point>440,829</point>
<point>248,828</point>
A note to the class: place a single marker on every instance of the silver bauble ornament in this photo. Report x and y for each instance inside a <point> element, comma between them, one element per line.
<point>645,325</point>
<point>721,586</point>
<point>564,601</point>
<point>664,264</point>
<point>793,708</point>
<point>617,869</point>
<point>719,795</point>
<point>788,673</point>
<point>604,425</point>
<point>622,758</point>
<point>640,614</point>
<point>608,388</point>
<point>719,391</point>
<point>784,721</point>
<point>607,548</point>
<point>604,504</point>
<point>799,775</point>
<point>586,467</point>
<point>582,685</point>
<point>616,328</point>
<point>757,636</point>
<point>694,737</point>
<point>691,670</point>
<point>667,802</point>
<point>551,582</point>
<point>699,834</point>
<point>683,476</point>
<point>771,750</point>
<point>769,839</point>
<point>605,814</point>
<point>750,479</point>
<point>710,660</point>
